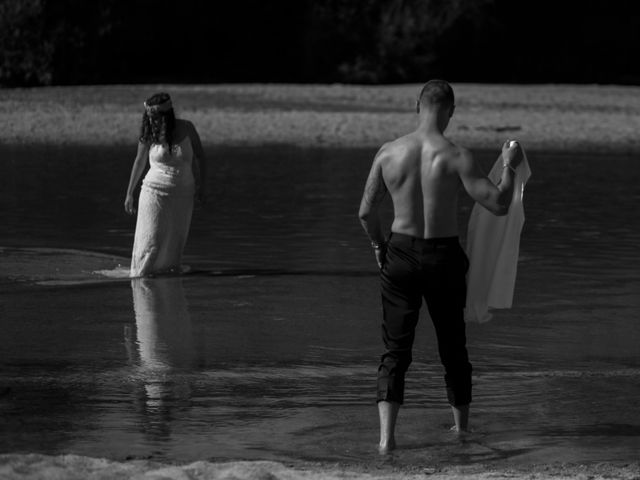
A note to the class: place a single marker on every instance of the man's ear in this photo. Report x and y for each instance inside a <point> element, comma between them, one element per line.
<point>453,109</point>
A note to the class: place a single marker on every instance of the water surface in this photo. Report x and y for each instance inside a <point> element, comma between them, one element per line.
<point>268,349</point>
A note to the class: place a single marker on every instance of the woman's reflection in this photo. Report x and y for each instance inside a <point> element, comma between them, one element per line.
<point>165,345</point>
<point>163,324</point>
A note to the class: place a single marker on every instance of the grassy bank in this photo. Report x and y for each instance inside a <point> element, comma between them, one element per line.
<point>544,117</point>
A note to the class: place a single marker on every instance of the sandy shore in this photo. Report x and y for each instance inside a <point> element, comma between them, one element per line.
<point>72,467</point>
<point>544,117</point>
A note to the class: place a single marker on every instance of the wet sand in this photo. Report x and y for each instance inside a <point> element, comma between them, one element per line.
<point>560,118</point>
<point>71,467</point>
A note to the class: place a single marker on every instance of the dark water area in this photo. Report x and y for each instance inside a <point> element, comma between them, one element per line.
<point>268,349</point>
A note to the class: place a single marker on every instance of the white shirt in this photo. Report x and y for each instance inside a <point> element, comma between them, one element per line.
<point>493,244</point>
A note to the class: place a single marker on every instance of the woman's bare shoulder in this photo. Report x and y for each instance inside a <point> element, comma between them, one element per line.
<point>187,125</point>
<point>182,129</point>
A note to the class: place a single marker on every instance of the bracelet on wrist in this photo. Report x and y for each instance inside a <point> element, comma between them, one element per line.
<point>508,165</point>
<point>378,246</point>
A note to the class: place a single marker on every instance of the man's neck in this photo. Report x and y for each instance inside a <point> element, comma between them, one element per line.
<point>428,125</point>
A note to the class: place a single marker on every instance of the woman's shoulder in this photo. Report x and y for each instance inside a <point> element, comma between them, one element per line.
<point>184,124</point>
<point>182,129</point>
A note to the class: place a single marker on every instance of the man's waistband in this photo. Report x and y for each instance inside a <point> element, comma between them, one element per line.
<point>408,240</point>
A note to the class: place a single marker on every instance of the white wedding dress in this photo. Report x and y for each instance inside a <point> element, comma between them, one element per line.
<point>164,210</point>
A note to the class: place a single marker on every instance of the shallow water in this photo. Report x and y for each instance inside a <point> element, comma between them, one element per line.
<point>267,349</point>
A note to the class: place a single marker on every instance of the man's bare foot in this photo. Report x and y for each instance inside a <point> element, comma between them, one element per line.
<point>386,447</point>
<point>459,431</point>
<point>388,415</point>
<point>460,418</point>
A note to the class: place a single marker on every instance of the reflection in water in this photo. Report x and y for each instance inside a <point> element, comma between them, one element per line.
<point>163,324</point>
<point>165,344</point>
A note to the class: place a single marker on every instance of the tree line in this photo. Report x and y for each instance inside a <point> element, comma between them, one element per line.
<point>65,42</point>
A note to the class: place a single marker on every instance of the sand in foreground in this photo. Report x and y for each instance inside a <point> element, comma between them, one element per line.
<point>71,467</point>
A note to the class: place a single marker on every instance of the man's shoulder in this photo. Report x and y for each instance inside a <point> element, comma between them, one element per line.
<point>459,159</point>
<point>455,152</point>
<point>399,148</point>
<point>452,158</point>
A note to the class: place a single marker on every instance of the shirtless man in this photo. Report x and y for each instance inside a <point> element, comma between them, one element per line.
<point>423,171</point>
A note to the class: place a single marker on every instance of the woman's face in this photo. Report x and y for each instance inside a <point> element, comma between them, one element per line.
<point>155,120</point>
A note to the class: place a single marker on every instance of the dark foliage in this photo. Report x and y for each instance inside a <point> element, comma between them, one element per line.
<point>25,51</point>
<point>373,41</point>
<point>358,41</point>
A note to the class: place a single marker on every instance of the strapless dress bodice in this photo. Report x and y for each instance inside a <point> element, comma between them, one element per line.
<point>170,169</point>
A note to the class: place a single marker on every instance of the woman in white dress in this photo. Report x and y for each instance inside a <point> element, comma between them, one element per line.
<point>172,149</point>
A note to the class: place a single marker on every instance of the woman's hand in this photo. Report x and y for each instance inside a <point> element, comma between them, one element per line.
<point>129,205</point>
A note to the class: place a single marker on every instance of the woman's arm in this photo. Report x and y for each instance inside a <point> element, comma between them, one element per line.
<point>139,164</point>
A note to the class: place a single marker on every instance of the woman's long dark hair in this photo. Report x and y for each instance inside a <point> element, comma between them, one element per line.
<point>158,127</point>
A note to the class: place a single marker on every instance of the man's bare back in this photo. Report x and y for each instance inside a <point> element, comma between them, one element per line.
<point>423,171</point>
<point>420,174</point>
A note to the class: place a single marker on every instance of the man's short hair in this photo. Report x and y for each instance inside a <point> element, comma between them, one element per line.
<point>436,93</point>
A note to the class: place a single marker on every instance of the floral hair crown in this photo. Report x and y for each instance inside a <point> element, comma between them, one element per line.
<point>161,107</point>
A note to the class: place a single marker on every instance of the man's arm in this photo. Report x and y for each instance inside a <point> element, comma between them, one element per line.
<point>495,198</point>
<point>374,192</point>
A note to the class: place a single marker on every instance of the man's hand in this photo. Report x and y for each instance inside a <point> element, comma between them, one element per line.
<point>381,254</point>
<point>511,154</point>
<point>129,206</point>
